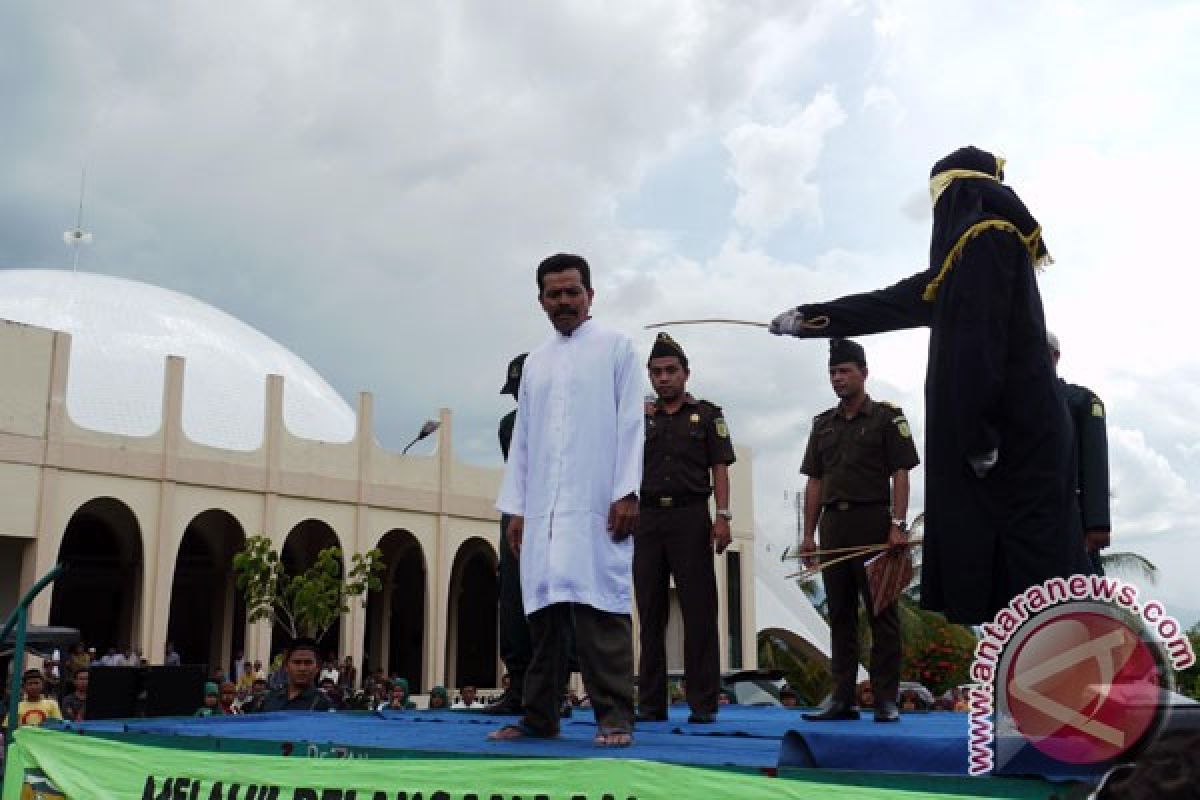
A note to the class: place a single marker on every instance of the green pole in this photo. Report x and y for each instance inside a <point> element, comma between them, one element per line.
<point>18,619</point>
<point>14,694</point>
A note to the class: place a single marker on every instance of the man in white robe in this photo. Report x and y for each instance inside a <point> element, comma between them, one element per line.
<point>570,485</point>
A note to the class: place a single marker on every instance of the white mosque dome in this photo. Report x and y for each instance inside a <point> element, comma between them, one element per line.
<point>121,333</point>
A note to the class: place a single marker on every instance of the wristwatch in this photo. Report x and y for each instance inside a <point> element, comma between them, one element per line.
<point>900,523</point>
<point>726,513</point>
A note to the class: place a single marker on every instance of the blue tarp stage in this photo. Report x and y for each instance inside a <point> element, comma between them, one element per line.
<point>744,737</point>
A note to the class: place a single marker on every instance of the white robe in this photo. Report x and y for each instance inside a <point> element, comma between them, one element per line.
<point>576,448</point>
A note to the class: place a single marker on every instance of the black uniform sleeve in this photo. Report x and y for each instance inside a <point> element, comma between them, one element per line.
<point>1091,429</point>
<point>718,443</point>
<point>812,466</point>
<point>506,431</point>
<point>897,307</point>
<point>900,449</point>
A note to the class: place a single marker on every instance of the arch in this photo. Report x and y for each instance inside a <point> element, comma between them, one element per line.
<point>471,631</point>
<point>101,591</point>
<point>301,546</point>
<point>207,618</point>
<point>395,633</point>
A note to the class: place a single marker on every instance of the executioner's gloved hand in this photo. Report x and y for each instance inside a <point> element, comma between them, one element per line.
<point>789,323</point>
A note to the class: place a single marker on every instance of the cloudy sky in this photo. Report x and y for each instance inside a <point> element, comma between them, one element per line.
<point>372,184</point>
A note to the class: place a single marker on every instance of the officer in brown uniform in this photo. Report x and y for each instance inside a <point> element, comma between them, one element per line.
<point>854,451</point>
<point>687,444</point>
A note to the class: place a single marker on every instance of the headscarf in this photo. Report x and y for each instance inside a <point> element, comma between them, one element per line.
<point>969,198</point>
<point>440,691</point>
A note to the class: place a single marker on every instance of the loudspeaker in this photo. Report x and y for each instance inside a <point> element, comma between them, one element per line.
<point>125,692</point>
<point>174,691</point>
<point>112,692</point>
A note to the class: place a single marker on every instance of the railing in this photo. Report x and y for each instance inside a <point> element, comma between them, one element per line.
<point>18,619</point>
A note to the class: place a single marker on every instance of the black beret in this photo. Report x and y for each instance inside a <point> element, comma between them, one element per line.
<point>842,351</point>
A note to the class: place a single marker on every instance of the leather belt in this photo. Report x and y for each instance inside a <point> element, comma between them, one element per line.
<point>846,505</point>
<point>673,500</point>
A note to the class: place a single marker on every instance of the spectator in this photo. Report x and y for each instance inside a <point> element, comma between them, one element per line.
<point>330,669</point>
<point>212,701</point>
<point>402,685</point>
<point>788,697</point>
<point>110,658</point>
<point>380,693</point>
<point>258,670</point>
<point>74,705</point>
<point>172,659</point>
<point>438,698</point>
<point>278,678</point>
<point>228,696</point>
<point>246,679</point>
<point>347,675</point>
<point>334,692</point>
<point>467,698</point>
<point>240,665</point>
<point>398,701</point>
<point>77,660</point>
<point>726,698</point>
<point>35,708</point>
<point>52,670</point>
<point>300,664</point>
<point>258,694</point>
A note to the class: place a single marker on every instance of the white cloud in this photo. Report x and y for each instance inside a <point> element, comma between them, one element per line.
<point>772,165</point>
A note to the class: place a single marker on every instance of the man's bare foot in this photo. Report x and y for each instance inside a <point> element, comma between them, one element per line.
<point>610,738</point>
<point>511,733</point>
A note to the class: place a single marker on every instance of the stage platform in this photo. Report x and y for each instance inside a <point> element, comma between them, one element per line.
<point>924,752</point>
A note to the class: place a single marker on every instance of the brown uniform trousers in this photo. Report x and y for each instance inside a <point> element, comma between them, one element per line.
<point>845,583</point>
<point>677,541</point>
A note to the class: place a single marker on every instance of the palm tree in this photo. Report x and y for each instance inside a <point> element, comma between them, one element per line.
<point>1129,564</point>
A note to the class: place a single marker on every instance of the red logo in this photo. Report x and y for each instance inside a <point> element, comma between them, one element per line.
<point>1083,687</point>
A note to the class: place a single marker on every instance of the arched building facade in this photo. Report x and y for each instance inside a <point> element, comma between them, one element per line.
<point>149,525</point>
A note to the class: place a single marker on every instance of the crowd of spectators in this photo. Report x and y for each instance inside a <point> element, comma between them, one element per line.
<point>59,690</point>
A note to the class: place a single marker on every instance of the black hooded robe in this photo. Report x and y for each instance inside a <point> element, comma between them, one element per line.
<point>990,384</point>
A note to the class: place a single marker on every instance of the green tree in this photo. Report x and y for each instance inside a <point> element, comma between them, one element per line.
<point>1188,680</point>
<point>309,603</point>
<point>808,677</point>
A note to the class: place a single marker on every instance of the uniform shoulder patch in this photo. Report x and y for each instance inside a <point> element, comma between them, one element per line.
<point>1097,407</point>
<point>902,425</point>
<point>722,428</point>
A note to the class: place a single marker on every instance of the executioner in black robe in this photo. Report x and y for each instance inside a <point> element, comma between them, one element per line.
<point>1000,511</point>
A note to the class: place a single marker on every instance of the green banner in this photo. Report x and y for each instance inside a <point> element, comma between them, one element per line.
<point>55,765</point>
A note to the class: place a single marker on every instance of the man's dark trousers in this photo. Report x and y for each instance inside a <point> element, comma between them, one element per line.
<point>677,541</point>
<point>516,647</point>
<point>845,585</point>
<point>605,645</point>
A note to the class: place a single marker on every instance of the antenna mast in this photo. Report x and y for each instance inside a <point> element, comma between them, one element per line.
<point>77,236</point>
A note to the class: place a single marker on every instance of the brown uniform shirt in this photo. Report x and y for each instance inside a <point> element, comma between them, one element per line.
<point>681,449</point>
<point>855,458</point>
